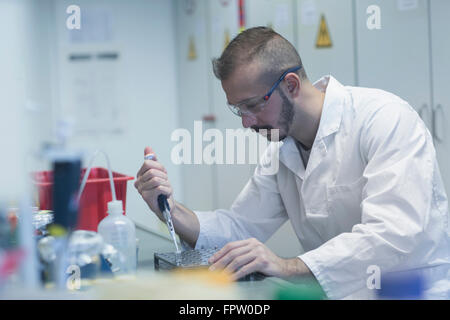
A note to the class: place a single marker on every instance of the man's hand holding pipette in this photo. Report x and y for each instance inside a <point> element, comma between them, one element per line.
<point>151,182</point>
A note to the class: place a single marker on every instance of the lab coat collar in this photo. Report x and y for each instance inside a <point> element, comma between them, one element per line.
<point>290,157</point>
<point>330,120</point>
<point>330,123</point>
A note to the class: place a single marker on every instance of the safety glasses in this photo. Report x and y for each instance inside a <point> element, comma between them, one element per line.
<point>257,104</point>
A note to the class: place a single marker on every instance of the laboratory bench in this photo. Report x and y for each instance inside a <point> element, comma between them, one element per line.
<point>149,284</point>
<point>258,288</point>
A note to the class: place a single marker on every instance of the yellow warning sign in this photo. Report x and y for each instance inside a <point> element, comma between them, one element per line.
<point>323,38</point>
<point>192,51</point>
<point>227,39</point>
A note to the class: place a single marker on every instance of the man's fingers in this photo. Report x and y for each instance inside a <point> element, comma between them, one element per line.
<point>246,270</point>
<point>150,164</point>
<point>156,192</point>
<point>154,183</point>
<point>226,259</point>
<point>142,170</point>
<point>151,173</point>
<point>164,190</point>
<point>228,247</point>
<point>239,262</point>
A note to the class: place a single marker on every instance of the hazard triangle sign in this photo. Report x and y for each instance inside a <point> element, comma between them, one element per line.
<point>227,39</point>
<point>323,37</point>
<point>192,55</point>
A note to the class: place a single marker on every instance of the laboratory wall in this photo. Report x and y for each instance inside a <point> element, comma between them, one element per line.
<point>111,85</point>
<point>139,70</point>
<point>118,87</point>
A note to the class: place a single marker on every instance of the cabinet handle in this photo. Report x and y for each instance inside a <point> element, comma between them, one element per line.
<point>435,111</point>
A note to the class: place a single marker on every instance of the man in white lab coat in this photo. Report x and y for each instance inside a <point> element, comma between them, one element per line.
<point>358,179</point>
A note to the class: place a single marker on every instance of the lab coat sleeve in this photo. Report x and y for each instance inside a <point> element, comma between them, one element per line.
<point>257,212</point>
<point>395,208</point>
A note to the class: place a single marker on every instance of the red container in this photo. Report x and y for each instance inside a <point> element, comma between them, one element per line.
<point>95,197</point>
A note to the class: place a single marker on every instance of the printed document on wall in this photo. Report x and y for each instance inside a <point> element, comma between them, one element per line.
<point>91,95</point>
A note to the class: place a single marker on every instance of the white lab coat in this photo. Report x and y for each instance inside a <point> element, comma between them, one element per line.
<point>371,194</point>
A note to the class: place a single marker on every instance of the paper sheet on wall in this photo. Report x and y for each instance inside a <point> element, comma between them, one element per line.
<point>90,96</point>
<point>308,13</point>
<point>406,5</point>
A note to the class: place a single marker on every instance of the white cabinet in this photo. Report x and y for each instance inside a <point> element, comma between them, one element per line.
<point>440,53</point>
<point>396,57</point>
<point>337,60</point>
<point>280,16</point>
<point>229,179</point>
<point>409,56</point>
<point>194,95</point>
<point>224,21</point>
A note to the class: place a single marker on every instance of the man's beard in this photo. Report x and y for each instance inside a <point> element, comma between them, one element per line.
<point>284,123</point>
<point>286,115</point>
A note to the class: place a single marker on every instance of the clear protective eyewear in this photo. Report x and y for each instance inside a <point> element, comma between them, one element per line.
<point>255,105</point>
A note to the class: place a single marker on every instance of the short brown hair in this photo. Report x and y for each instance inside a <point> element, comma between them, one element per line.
<point>275,53</point>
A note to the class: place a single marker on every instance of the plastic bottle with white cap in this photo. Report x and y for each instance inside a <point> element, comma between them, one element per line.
<point>119,231</point>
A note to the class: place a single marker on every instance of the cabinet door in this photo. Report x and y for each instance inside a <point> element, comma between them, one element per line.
<point>280,16</point>
<point>337,60</point>
<point>194,102</point>
<point>396,57</point>
<point>440,28</point>
<point>276,14</point>
<point>229,178</point>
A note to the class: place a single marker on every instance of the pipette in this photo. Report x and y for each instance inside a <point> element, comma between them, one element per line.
<point>163,205</point>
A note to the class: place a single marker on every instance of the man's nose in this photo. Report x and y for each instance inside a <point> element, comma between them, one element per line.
<point>248,120</point>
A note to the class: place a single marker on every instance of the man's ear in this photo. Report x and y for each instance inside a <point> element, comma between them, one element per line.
<point>293,84</point>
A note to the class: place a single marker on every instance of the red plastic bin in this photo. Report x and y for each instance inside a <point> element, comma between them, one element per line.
<point>96,195</point>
